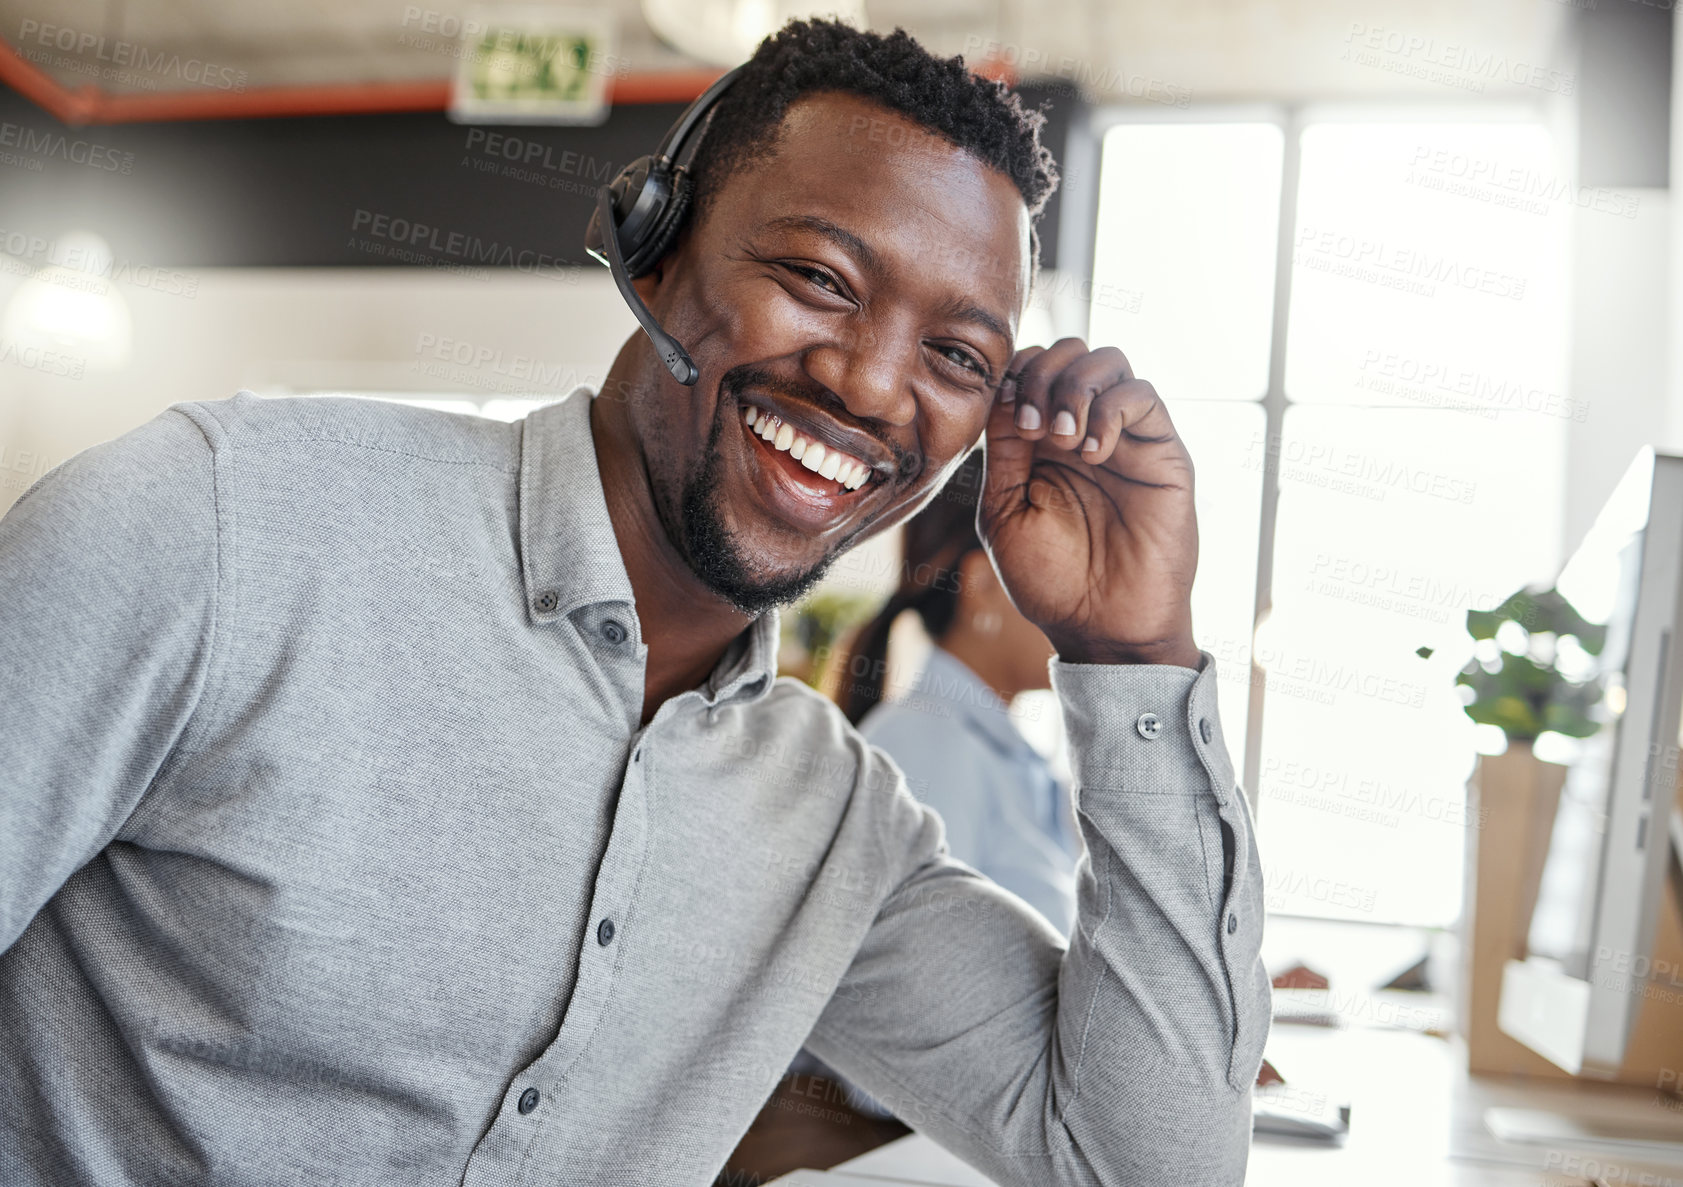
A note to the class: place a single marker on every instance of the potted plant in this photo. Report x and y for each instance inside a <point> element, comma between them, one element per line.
<point>812,630</point>
<point>1533,671</point>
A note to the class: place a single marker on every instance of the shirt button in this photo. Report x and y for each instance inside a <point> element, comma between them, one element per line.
<point>613,632</point>
<point>546,601</point>
<point>605,932</point>
<point>1148,725</point>
<point>528,1101</point>
<point>1204,730</point>
<point>1232,924</point>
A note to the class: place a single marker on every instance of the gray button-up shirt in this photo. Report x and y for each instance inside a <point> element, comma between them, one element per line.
<point>321,778</point>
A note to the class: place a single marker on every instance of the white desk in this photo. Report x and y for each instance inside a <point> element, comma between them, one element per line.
<point>1415,1119</point>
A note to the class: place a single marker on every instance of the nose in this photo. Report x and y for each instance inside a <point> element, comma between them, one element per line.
<point>871,370</point>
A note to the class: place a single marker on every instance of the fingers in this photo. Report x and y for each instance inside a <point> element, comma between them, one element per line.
<point>1131,409</point>
<point>1057,386</point>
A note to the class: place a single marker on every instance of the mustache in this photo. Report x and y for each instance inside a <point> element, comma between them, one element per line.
<point>907,465</point>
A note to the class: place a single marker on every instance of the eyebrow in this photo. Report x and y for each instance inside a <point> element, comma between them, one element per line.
<point>835,233</point>
<point>971,312</point>
<point>868,258</point>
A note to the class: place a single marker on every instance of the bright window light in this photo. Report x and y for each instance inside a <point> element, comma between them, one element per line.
<point>1183,275</point>
<point>1420,477</point>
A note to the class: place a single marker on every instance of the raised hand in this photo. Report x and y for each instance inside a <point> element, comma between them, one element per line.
<point>1087,510</point>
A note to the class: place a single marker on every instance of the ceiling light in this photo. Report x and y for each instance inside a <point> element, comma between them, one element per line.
<point>71,307</point>
<point>726,32</point>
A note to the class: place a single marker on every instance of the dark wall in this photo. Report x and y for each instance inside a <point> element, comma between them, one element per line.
<point>376,189</point>
<point>1624,93</point>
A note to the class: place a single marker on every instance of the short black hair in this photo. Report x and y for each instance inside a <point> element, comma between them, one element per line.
<point>982,116</point>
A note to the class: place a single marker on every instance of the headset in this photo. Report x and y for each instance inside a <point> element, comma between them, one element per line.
<point>643,210</point>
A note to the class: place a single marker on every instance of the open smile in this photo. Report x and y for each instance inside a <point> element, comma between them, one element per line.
<point>809,482</point>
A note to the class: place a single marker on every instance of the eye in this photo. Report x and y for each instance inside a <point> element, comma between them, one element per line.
<point>818,278</point>
<point>963,358</point>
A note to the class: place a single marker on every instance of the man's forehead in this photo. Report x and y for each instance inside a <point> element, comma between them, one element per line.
<point>864,167</point>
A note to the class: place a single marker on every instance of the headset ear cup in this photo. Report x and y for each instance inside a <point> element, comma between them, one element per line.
<point>664,233</point>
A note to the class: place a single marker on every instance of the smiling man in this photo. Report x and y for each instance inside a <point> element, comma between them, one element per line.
<point>393,797</point>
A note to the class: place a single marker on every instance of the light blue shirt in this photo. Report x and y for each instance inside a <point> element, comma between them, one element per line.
<point>1005,812</point>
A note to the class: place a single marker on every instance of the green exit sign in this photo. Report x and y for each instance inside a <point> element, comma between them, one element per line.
<point>534,66</point>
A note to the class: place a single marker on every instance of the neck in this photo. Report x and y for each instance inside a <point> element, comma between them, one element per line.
<point>981,655</point>
<point>685,625</point>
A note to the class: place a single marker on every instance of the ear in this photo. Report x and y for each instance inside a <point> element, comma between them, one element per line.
<point>648,283</point>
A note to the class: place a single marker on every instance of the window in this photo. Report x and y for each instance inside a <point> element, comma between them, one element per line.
<point>1379,436</point>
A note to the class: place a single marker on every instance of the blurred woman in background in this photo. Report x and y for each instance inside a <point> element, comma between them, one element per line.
<point>1005,812</point>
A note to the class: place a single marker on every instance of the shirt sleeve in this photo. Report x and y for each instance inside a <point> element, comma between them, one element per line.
<point>110,570</point>
<point>1125,1056</point>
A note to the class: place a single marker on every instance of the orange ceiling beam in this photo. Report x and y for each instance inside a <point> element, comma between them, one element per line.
<point>88,104</point>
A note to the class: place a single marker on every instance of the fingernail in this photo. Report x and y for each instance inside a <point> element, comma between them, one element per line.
<point>1063,424</point>
<point>1028,417</point>
<point>1089,444</point>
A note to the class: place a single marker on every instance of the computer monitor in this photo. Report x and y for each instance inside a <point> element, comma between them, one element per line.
<point>1575,997</point>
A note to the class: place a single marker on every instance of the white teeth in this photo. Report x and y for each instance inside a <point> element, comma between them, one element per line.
<point>849,472</point>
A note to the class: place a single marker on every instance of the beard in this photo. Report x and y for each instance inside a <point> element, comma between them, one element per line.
<point>724,563</point>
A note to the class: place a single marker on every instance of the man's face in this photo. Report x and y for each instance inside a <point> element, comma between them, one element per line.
<point>861,288</point>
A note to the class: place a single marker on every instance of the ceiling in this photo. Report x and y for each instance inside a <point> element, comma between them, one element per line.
<point>1165,51</point>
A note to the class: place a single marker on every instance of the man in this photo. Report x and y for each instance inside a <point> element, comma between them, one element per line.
<point>393,797</point>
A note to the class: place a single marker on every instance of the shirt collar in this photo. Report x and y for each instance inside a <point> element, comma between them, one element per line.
<point>570,556</point>
<point>948,679</point>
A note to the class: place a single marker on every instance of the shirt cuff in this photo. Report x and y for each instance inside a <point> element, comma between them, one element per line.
<point>1145,727</point>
